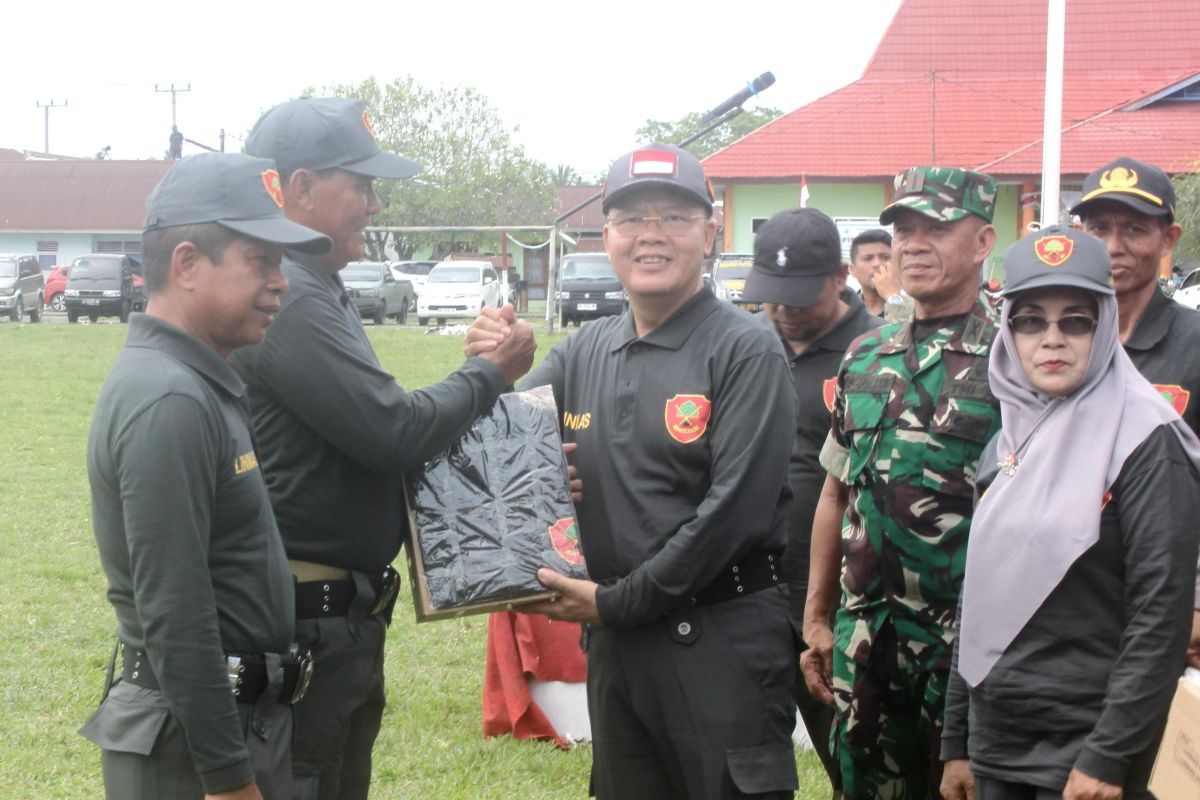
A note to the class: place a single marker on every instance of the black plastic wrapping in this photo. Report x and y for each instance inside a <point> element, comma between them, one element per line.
<point>497,506</point>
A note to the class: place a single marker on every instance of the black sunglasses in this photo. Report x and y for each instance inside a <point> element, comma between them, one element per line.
<point>1070,325</point>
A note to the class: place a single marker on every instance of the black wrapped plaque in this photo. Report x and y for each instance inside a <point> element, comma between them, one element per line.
<point>486,514</point>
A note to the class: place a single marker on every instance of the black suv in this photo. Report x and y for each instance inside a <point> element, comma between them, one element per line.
<point>21,284</point>
<point>589,288</point>
<point>103,285</point>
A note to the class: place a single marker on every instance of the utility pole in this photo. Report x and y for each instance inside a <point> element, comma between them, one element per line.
<point>47,107</point>
<point>173,92</point>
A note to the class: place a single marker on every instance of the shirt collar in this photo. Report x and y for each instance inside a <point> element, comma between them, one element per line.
<point>974,336</point>
<point>311,265</point>
<point>153,333</point>
<point>1154,323</point>
<point>674,330</point>
<point>839,337</point>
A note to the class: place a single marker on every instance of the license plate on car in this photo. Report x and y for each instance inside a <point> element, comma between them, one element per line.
<point>586,306</point>
<point>90,301</point>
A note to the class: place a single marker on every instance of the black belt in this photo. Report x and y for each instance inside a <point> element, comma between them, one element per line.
<point>756,571</point>
<point>333,598</point>
<point>248,677</point>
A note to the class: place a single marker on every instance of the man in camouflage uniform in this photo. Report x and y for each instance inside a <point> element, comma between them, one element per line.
<point>912,411</point>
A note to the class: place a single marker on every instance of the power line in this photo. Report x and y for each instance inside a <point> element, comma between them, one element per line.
<point>173,92</point>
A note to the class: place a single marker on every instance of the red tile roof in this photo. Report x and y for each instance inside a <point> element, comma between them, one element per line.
<point>964,86</point>
<point>76,195</point>
<point>589,218</point>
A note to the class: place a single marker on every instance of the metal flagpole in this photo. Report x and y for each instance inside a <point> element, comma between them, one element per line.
<point>1052,121</point>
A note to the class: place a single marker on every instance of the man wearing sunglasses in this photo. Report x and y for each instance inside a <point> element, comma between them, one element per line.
<point>1130,206</point>
<point>684,416</point>
<point>912,412</point>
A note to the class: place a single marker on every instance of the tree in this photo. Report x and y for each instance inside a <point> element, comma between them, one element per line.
<point>1187,214</point>
<point>565,175</point>
<point>673,131</point>
<point>472,173</point>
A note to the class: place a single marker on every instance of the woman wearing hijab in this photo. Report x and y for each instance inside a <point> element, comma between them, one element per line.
<point>1077,601</point>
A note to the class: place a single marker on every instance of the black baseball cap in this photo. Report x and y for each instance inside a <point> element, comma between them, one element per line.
<point>795,252</point>
<point>1057,255</point>
<point>239,192</point>
<point>657,165</point>
<point>322,133</point>
<point>1143,187</point>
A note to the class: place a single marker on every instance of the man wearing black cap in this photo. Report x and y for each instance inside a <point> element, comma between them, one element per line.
<point>337,433</point>
<point>799,277</point>
<point>1130,206</point>
<point>684,415</point>
<point>196,571</point>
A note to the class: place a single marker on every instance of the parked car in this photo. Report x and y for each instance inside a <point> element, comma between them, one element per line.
<point>731,270</point>
<point>1187,292</point>
<point>415,272</point>
<point>376,292</point>
<point>103,285</point>
<point>717,289</point>
<point>458,289</point>
<point>589,288</point>
<point>56,286</point>
<point>21,284</point>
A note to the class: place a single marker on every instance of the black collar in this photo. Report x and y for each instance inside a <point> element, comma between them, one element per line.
<point>154,333</point>
<point>1154,323</point>
<point>674,330</point>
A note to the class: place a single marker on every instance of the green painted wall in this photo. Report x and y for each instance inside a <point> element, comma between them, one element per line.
<point>764,201</point>
<point>852,200</point>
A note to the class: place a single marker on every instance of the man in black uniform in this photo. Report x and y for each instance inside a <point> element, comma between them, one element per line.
<point>196,570</point>
<point>871,253</point>
<point>684,415</point>
<point>800,279</point>
<point>1130,206</point>
<point>337,432</point>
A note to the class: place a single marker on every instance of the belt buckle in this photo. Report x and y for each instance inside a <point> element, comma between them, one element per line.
<point>304,663</point>
<point>391,583</point>
<point>234,669</point>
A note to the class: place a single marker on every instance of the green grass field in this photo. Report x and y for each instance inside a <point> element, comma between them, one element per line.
<point>56,627</point>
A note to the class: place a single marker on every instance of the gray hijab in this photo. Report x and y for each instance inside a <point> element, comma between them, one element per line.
<point>1033,524</point>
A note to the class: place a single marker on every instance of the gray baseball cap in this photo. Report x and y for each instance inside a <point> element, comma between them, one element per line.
<point>1057,255</point>
<point>657,165</point>
<point>795,252</point>
<point>322,133</point>
<point>239,192</point>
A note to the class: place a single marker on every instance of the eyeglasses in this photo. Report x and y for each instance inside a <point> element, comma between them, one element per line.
<point>631,225</point>
<point>1070,325</point>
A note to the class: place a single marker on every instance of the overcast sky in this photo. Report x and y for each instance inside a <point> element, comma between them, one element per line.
<point>576,78</point>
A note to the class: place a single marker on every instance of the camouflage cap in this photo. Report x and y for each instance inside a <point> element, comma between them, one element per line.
<point>944,193</point>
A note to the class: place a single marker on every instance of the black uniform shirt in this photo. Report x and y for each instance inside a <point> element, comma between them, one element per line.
<point>1165,347</point>
<point>814,376</point>
<point>1088,681</point>
<point>336,431</point>
<point>194,561</point>
<point>684,437</point>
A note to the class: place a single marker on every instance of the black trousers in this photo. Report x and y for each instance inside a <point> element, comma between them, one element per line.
<point>696,705</point>
<point>339,717</point>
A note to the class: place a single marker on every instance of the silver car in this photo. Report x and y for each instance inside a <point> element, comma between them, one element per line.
<point>21,285</point>
<point>376,292</point>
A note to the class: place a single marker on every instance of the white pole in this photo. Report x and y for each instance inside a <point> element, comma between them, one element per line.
<point>1056,25</point>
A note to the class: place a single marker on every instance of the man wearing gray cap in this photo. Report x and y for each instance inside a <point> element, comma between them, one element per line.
<point>683,415</point>
<point>799,277</point>
<point>337,433</point>
<point>196,570</point>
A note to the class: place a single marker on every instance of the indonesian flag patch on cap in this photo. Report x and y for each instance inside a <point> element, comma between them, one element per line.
<point>652,162</point>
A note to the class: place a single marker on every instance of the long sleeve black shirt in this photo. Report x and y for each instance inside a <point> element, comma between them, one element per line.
<point>1087,682</point>
<point>337,432</point>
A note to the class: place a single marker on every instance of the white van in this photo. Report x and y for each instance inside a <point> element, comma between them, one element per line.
<point>458,289</point>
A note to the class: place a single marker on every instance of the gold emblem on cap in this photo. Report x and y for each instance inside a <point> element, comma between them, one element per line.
<point>273,185</point>
<point>1118,178</point>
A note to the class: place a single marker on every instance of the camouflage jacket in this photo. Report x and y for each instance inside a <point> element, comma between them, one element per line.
<point>909,421</point>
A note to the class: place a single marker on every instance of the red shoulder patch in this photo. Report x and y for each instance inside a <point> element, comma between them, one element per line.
<point>829,392</point>
<point>687,417</point>
<point>1177,396</point>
